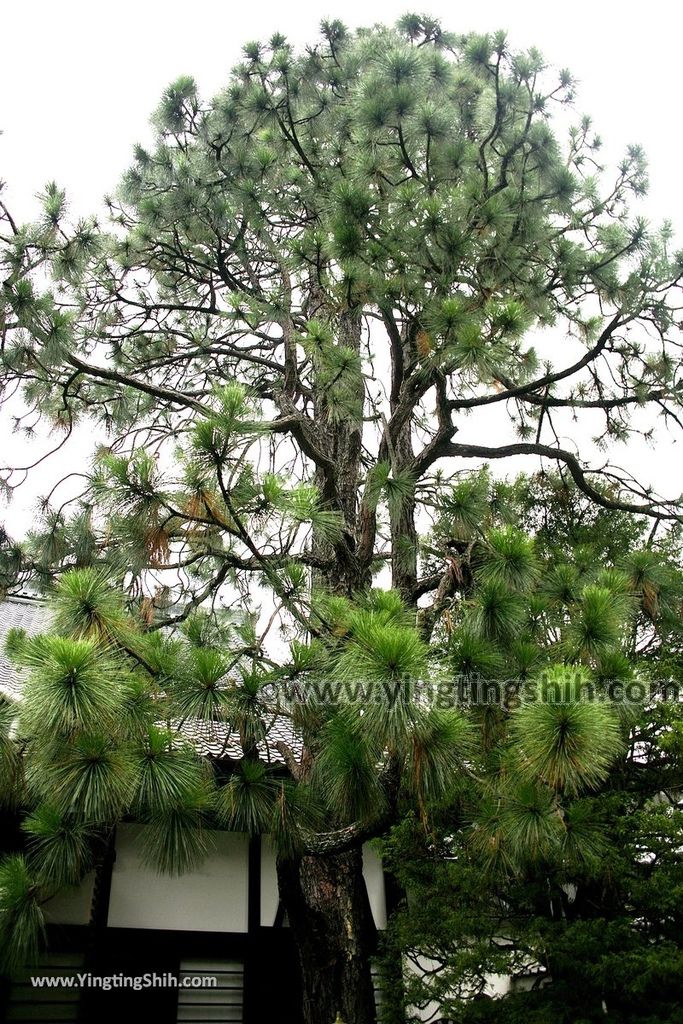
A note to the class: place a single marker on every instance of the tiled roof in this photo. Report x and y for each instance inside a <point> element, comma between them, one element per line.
<point>18,613</point>
<point>212,739</point>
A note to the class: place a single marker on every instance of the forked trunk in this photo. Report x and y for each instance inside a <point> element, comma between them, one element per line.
<point>334,934</point>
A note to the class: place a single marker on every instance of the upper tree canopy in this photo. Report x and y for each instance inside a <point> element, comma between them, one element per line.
<point>376,237</point>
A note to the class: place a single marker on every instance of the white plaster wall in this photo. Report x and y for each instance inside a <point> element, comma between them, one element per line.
<point>497,986</point>
<point>212,898</point>
<point>431,1010</point>
<point>71,905</point>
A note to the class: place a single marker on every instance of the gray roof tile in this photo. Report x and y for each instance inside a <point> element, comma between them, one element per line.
<point>212,739</point>
<point>215,739</point>
<point>18,613</point>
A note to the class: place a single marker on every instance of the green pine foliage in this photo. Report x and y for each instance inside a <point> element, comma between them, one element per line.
<point>305,297</point>
<point>559,863</point>
<point>22,924</point>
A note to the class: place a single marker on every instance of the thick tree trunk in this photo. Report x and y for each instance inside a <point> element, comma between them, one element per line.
<point>333,930</point>
<point>341,440</point>
<point>397,446</point>
<point>324,894</point>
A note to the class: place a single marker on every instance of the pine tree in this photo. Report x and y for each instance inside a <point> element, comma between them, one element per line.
<point>571,883</point>
<point>306,287</point>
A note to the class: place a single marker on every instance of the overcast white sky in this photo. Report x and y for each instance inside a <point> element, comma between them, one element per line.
<point>78,81</point>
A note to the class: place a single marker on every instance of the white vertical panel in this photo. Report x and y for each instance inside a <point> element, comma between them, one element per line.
<point>270,898</point>
<point>71,905</point>
<point>374,881</point>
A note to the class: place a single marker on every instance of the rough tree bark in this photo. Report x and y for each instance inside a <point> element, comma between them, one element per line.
<point>402,525</point>
<point>334,934</point>
<point>325,894</point>
<point>341,441</point>
<point>397,447</point>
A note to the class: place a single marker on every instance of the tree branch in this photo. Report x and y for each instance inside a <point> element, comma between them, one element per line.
<point>578,473</point>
